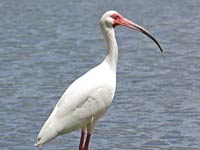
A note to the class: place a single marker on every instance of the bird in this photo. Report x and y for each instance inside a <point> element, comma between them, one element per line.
<point>87,99</point>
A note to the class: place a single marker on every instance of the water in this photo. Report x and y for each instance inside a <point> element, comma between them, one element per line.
<point>46,44</point>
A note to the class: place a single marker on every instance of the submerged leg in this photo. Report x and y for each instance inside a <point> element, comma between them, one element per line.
<point>81,146</point>
<point>87,142</point>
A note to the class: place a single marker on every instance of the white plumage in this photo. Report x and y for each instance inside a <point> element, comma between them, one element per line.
<point>89,97</point>
<point>82,103</point>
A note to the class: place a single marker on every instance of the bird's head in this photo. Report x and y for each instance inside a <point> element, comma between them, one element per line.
<point>112,19</point>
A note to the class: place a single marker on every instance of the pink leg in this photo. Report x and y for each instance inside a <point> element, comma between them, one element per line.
<point>82,140</point>
<point>87,141</point>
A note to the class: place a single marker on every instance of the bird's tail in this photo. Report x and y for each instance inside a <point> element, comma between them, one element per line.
<point>47,133</point>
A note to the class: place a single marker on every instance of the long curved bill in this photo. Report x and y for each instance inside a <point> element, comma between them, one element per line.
<point>132,25</point>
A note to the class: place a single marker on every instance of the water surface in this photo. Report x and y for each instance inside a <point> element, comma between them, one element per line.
<point>45,45</point>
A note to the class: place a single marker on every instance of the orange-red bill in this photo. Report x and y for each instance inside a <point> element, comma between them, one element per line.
<point>125,22</point>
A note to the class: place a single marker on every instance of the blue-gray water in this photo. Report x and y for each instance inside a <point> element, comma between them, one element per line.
<point>46,44</point>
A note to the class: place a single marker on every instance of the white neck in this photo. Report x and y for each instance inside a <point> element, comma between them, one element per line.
<point>112,48</point>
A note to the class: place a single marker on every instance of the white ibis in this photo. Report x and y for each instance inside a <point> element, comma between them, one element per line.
<point>89,97</point>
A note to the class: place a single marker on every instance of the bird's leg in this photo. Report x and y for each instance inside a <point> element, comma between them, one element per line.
<point>82,139</point>
<point>87,141</point>
<point>90,128</point>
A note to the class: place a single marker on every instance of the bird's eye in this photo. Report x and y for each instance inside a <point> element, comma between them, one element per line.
<point>116,17</point>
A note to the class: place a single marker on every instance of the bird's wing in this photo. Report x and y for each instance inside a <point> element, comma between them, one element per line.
<point>89,95</point>
<point>76,95</point>
<point>85,98</point>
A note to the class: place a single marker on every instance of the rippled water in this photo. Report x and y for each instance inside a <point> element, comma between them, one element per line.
<point>46,44</point>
